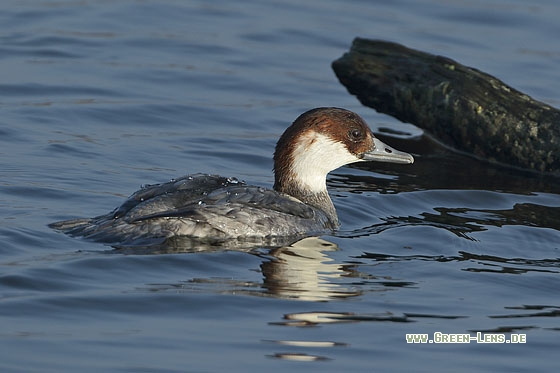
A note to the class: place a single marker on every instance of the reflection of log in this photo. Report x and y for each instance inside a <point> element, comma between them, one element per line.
<point>464,108</point>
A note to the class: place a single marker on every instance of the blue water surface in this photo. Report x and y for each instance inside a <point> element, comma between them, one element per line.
<point>100,97</point>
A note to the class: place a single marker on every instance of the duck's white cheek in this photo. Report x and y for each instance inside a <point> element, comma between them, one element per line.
<point>317,155</point>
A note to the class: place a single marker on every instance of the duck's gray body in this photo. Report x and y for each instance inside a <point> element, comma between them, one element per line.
<point>202,206</point>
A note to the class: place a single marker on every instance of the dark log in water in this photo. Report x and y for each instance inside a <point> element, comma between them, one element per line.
<point>462,107</point>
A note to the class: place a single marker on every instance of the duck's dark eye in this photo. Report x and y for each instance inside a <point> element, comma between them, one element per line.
<point>355,134</point>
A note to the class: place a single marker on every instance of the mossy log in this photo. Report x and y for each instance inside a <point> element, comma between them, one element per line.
<point>460,106</point>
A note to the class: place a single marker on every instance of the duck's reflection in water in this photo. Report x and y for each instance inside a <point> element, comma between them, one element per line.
<point>304,270</point>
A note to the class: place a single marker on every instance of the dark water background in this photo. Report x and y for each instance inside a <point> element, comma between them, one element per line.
<point>99,97</point>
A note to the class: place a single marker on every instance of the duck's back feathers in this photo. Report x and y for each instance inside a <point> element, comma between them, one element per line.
<point>201,206</point>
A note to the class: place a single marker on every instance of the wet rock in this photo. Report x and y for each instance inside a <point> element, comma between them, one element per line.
<point>460,106</point>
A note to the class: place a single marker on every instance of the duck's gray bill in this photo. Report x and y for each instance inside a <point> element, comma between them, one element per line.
<point>384,153</point>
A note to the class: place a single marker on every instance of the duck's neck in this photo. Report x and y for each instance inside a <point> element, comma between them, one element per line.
<point>317,197</point>
<point>301,168</point>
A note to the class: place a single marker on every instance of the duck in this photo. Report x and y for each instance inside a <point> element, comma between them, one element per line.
<point>217,208</point>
